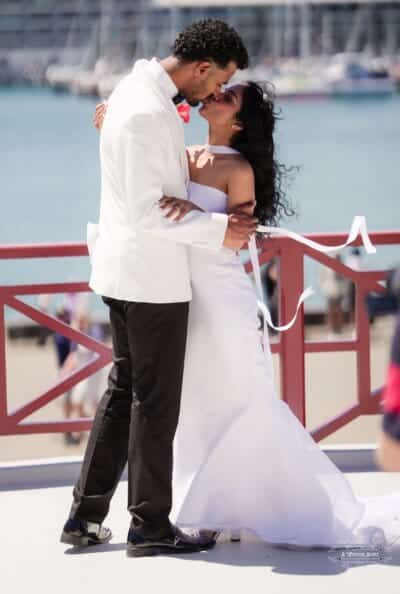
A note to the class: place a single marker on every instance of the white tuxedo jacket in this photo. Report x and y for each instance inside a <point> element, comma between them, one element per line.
<point>136,253</point>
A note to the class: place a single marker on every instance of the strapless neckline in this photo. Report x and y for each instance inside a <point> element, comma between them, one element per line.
<point>209,187</point>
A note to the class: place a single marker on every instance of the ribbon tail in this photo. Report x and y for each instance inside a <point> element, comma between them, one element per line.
<point>359,226</point>
<point>267,316</point>
<point>369,247</point>
<point>261,302</point>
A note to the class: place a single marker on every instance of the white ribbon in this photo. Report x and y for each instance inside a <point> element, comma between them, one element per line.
<point>359,226</point>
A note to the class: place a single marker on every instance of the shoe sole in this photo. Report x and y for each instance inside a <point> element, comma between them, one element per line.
<point>81,541</point>
<point>147,550</point>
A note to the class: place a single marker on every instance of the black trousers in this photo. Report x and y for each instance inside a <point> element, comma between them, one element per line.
<point>137,416</point>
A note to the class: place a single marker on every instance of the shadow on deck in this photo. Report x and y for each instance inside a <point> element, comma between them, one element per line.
<point>35,498</point>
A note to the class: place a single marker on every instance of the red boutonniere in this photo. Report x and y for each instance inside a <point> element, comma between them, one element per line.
<point>184,111</point>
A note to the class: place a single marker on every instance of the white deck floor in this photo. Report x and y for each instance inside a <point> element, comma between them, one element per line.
<point>33,560</point>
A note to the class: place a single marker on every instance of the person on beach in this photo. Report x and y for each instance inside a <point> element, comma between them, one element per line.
<point>334,287</point>
<point>62,346</point>
<point>83,398</point>
<point>388,453</point>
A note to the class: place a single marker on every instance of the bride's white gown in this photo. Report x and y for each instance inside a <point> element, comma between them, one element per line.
<point>242,459</point>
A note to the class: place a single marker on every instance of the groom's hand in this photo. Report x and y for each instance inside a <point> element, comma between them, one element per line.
<point>176,208</point>
<point>240,228</point>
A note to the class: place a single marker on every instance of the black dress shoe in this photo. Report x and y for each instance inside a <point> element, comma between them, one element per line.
<point>214,534</point>
<point>83,533</point>
<point>177,542</point>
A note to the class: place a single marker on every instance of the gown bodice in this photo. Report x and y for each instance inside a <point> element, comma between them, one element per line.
<point>208,198</point>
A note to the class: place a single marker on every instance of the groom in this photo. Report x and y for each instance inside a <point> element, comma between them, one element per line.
<point>140,268</point>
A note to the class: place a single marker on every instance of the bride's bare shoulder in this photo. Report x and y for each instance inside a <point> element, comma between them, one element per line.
<point>241,174</point>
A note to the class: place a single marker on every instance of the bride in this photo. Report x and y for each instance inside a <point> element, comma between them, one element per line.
<point>243,462</point>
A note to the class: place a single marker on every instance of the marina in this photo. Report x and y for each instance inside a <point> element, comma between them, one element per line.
<point>304,50</point>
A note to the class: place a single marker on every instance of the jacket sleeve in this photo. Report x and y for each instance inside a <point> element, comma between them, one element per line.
<point>143,161</point>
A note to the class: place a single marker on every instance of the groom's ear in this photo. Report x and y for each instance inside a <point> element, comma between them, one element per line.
<point>203,66</point>
<point>237,126</point>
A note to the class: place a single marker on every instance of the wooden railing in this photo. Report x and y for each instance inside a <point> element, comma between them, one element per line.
<point>291,347</point>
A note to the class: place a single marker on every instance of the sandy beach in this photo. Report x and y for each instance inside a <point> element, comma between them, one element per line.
<point>330,388</point>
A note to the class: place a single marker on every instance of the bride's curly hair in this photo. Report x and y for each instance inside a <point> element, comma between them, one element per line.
<point>256,143</point>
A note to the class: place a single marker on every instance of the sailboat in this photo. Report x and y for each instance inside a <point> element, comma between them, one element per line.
<point>354,75</point>
<point>60,75</point>
<point>84,81</point>
<point>359,74</point>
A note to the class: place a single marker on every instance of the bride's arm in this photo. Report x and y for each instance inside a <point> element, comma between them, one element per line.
<point>241,192</point>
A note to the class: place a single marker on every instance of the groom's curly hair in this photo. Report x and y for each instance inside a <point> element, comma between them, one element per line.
<point>211,39</point>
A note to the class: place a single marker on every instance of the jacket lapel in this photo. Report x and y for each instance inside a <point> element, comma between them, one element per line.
<point>177,124</point>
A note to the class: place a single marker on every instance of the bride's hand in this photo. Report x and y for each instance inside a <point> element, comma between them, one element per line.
<point>176,208</point>
<point>99,114</point>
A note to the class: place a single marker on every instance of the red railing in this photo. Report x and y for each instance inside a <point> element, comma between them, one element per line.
<point>292,347</point>
<point>11,422</point>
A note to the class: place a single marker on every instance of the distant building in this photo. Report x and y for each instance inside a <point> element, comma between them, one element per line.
<point>148,27</point>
